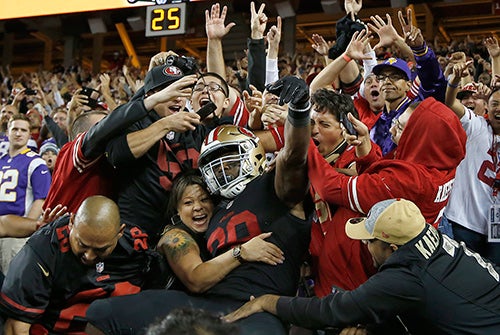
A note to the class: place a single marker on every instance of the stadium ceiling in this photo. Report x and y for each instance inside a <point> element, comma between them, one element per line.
<point>43,40</point>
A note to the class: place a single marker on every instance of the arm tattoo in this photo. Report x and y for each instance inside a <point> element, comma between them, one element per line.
<point>178,243</point>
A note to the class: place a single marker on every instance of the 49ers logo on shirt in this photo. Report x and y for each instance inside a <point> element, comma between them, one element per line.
<point>172,71</point>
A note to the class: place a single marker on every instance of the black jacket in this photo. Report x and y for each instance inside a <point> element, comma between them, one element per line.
<point>434,284</point>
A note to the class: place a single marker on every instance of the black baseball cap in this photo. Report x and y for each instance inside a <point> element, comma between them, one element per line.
<point>161,76</point>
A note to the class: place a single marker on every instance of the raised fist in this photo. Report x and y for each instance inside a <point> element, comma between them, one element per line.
<point>291,90</point>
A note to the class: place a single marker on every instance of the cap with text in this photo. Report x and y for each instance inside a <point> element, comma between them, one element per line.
<point>393,221</point>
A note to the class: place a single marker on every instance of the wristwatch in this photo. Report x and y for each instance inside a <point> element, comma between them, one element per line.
<point>237,253</point>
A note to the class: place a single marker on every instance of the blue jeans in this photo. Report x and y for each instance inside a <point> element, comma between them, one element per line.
<point>477,242</point>
<point>444,227</point>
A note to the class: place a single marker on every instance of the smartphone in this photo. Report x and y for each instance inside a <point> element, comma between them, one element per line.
<point>92,96</point>
<point>206,110</point>
<point>29,91</point>
<point>349,127</point>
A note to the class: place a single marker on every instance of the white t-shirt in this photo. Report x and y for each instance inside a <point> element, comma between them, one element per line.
<point>472,193</point>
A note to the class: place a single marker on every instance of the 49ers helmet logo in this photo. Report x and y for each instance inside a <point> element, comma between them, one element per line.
<point>172,71</point>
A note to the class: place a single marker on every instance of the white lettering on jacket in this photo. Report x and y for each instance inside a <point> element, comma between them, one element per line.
<point>444,191</point>
<point>428,243</point>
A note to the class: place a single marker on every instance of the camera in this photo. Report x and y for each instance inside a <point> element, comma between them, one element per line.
<point>187,65</point>
<point>349,127</point>
<point>29,91</point>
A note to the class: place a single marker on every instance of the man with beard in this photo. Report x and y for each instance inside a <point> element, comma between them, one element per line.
<point>66,265</point>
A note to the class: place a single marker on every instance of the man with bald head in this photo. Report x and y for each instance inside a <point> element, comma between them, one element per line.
<point>66,265</point>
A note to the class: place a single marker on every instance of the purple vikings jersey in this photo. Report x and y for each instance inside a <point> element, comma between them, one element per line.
<point>24,178</point>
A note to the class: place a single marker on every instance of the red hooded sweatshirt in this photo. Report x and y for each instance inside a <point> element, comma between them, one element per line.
<point>423,170</point>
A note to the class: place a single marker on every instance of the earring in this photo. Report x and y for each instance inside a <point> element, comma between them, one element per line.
<point>175,219</point>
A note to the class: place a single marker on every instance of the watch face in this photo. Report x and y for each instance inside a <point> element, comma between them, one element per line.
<point>237,252</point>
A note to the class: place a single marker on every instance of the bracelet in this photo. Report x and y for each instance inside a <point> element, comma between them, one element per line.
<point>346,58</point>
<point>452,85</point>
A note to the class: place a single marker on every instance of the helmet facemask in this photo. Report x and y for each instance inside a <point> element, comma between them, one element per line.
<point>231,165</point>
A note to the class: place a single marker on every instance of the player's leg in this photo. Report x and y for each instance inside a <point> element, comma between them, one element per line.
<point>132,314</point>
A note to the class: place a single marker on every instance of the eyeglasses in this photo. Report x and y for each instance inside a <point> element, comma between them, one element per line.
<point>212,87</point>
<point>392,77</point>
<point>366,242</point>
<point>395,123</point>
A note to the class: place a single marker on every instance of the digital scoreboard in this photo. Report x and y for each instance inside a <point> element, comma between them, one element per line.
<point>166,20</point>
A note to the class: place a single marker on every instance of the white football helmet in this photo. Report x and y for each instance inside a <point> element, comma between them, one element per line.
<point>230,158</point>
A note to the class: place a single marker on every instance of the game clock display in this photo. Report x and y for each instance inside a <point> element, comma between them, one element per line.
<point>166,20</point>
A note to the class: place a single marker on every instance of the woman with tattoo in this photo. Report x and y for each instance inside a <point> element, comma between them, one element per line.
<point>184,246</point>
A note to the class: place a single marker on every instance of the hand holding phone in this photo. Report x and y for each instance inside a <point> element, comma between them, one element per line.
<point>92,96</point>
<point>349,127</point>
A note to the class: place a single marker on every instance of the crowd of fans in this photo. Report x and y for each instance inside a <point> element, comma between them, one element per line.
<point>401,117</point>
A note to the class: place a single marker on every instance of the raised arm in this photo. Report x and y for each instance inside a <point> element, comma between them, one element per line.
<point>355,50</point>
<point>58,134</point>
<point>459,69</point>
<point>322,46</point>
<point>491,44</point>
<point>106,92</point>
<point>75,107</point>
<point>432,80</point>
<point>216,30</point>
<point>291,182</point>
<point>388,36</point>
<point>273,40</point>
<point>140,141</point>
<point>256,48</point>
<point>352,7</point>
<point>183,255</point>
<point>361,141</point>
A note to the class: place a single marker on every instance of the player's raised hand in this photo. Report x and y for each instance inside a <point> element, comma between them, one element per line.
<point>291,90</point>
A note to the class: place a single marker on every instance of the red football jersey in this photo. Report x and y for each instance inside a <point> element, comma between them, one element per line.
<point>75,178</point>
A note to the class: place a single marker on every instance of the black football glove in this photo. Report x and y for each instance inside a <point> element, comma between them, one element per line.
<point>295,92</point>
<point>291,90</point>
